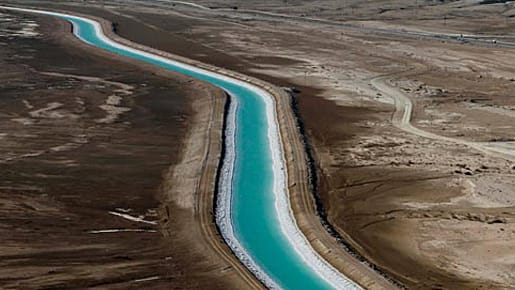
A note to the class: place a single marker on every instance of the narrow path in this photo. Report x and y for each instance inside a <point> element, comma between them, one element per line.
<point>403,114</point>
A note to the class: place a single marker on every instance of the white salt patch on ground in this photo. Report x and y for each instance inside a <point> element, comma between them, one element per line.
<point>11,156</point>
<point>146,279</point>
<point>113,113</point>
<point>124,210</point>
<point>48,111</point>
<point>114,100</point>
<point>121,231</point>
<point>27,104</point>
<point>17,26</point>
<point>140,219</point>
<point>78,141</point>
<point>507,147</point>
<point>64,147</point>
<point>112,106</point>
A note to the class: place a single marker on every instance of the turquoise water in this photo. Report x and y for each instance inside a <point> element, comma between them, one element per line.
<point>254,217</point>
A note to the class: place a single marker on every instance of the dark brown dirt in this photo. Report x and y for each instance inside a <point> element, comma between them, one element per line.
<point>359,200</point>
<point>52,199</point>
<point>365,203</point>
<point>338,122</point>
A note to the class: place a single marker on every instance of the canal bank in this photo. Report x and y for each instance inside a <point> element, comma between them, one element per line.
<point>293,185</point>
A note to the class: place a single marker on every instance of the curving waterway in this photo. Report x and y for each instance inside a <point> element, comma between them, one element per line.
<point>253,210</point>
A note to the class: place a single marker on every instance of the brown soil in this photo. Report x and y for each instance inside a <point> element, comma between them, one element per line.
<point>69,172</point>
<point>386,193</point>
<point>431,214</point>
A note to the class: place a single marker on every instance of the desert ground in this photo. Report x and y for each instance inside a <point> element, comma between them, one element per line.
<point>430,202</point>
<point>91,144</point>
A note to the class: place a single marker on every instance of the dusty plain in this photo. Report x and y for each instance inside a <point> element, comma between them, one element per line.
<point>430,213</point>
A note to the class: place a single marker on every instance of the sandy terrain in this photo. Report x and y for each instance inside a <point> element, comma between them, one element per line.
<point>430,213</point>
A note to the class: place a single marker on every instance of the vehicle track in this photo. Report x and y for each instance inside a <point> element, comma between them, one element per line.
<point>402,116</point>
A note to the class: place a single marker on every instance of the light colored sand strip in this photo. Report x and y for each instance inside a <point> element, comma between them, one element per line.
<point>146,279</point>
<point>191,4</point>
<point>132,218</point>
<point>121,231</point>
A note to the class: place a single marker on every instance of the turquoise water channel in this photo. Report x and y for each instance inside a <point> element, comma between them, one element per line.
<point>254,217</point>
